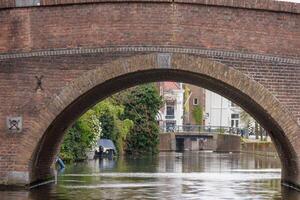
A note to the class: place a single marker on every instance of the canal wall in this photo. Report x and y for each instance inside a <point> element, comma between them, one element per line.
<point>214,142</point>
<point>196,142</point>
<point>167,142</point>
<point>228,143</point>
<point>260,148</point>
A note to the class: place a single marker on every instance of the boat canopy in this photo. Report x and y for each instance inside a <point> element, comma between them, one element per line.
<point>106,143</point>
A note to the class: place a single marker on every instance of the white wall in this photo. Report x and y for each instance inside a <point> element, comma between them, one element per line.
<point>178,106</point>
<point>219,110</point>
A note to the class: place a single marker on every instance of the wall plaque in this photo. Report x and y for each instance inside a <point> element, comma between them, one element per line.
<point>164,60</point>
<point>14,124</point>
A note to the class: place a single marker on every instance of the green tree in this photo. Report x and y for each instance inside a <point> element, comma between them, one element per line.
<point>141,106</point>
<point>107,122</point>
<point>127,118</point>
<point>113,125</point>
<point>81,137</point>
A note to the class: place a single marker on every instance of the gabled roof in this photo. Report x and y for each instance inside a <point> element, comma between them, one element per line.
<point>170,85</point>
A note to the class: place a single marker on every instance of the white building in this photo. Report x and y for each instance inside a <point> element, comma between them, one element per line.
<point>171,113</point>
<point>219,111</point>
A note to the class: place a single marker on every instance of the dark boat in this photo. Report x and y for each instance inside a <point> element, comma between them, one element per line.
<point>106,148</point>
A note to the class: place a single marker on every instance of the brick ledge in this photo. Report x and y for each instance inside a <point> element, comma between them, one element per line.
<point>196,51</point>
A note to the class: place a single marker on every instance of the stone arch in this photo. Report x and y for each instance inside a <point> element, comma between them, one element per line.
<point>80,94</point>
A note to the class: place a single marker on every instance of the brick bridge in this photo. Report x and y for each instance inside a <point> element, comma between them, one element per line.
<point>59,58</point>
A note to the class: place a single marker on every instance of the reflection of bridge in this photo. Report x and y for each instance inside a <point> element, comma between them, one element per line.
<point>196,137</point>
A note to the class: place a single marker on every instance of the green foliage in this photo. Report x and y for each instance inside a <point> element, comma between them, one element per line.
<point>123,128</point>
<point>128,119</point>
<point>108,126</point>
<point>81,137</point>
<point>198,114</point>
<point>141,106</point>
<point>113,127</point>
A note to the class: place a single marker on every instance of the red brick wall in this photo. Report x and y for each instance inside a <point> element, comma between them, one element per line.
<point>270,5</point>
<point>107,24</point>
<point>261,44</point>
<point>199,93</point>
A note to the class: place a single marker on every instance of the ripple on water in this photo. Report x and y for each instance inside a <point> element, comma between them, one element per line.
<point>169,176</point>
<point>118,185</point>
<point>194,176</point>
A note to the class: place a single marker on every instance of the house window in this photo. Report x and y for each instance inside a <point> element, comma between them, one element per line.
<point>236,123</point>
<point>170,111</point>
<point>235,120</point>
<point>235,116</point>
<point>195,102</point>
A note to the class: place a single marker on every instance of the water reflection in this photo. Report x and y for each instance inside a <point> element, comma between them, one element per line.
<point>189,175</point>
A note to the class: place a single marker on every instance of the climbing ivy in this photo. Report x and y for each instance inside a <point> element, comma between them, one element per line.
<point>198,114</point>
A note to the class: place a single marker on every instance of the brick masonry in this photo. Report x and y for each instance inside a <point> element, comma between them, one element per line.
<point>228,143</point>
<point>269,5</point>
<point>83,52</point>
<point>167,142</point>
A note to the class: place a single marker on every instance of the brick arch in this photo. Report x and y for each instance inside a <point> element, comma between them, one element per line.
<point>82,93</point>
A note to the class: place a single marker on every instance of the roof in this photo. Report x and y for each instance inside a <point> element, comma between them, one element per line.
<point>170,85</point>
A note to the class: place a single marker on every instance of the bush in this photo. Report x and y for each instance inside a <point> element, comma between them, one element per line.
<point>141,106</point>
<point>81,137</point>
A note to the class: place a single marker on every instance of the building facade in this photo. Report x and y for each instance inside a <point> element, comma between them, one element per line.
<point>220,111</point>
<point>171,113</point>
<point>182,100</point>
<point>194,98</point>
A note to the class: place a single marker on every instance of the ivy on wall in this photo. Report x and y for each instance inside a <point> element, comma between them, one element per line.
<point>198,114</point>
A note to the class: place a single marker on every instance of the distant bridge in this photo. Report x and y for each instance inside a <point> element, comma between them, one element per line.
<point>195,138</point>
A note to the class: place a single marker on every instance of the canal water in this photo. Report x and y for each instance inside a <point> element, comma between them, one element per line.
<point>188,175</point>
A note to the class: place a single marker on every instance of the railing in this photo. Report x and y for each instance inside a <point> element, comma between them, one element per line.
<point>202,129</point>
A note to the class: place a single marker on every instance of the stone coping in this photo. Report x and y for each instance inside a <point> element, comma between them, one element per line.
<point>269,5</point>
<point>122,49</point>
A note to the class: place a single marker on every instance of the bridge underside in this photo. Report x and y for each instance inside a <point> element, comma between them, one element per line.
<point>58,61</point>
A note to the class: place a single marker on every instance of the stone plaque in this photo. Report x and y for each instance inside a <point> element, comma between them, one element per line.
<point>14,124</point>
<point>23,3</point>
<point>164,60</point>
